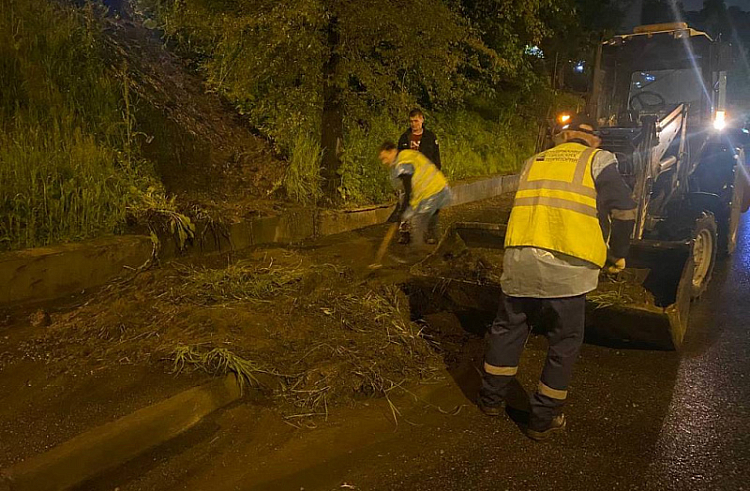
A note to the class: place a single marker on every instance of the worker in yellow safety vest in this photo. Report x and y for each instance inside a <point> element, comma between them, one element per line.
<point>425,188</point>
<point>555,248</point>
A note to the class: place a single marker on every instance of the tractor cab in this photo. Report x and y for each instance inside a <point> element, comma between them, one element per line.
<point>667,83</point>
<point>655,70</point>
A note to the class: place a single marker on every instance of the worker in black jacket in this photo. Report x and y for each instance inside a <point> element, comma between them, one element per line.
<point>419,138</point>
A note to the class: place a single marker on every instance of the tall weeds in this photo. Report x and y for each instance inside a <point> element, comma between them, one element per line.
<point>68,168</point>
<point>302,180</point>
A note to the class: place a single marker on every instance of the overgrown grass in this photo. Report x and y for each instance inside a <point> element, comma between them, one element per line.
<point>239,281</point>
<point>302,180</point>
<point>57,183</point>
<point>470,146</point>
<point>68,169</point>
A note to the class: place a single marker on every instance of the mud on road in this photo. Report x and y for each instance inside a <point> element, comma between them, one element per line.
<point>309,327</point>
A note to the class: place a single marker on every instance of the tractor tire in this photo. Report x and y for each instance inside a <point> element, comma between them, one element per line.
<point>730,224</point>
<point>703,251</point>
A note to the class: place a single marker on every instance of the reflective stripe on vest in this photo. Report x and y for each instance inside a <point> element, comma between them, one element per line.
<point>427,180</point>
<point>555,205</point>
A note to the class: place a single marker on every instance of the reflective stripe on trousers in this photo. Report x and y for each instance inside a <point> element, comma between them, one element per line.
<point>508,336</point>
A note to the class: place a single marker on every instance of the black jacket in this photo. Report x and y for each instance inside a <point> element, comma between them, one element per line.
<point>427,146</point>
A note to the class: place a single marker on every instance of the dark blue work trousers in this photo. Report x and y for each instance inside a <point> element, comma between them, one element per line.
<point>507,338</point>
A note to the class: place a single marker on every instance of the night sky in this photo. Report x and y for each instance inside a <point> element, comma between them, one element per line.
<point>697,4</point>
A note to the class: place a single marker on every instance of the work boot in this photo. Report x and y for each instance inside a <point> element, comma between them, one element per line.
<point>495,410</point>
<point>558,423</point>
<point>404,233</point>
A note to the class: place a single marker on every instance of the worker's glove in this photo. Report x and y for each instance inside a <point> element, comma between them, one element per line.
<point>615,267</point>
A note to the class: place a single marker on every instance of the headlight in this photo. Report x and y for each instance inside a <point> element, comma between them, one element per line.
<point>720,120</point>
<point>564,118</point>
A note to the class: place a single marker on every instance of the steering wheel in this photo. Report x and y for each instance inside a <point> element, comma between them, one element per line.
<point>640,99</point>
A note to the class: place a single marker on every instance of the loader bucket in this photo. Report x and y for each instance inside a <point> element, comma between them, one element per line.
<point>647,303</point>
<point>650,301</point>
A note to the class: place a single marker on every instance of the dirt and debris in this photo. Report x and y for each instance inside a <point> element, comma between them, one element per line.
<point>309,335</point>
<point>308,328</point>
<point>453,260</point>
<point>623,289</point>
<point>40,318</point>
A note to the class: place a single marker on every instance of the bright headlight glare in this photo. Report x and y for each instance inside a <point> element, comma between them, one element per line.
<point>720,121</point>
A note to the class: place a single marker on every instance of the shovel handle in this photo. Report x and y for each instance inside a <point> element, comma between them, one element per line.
<point>386,241</point>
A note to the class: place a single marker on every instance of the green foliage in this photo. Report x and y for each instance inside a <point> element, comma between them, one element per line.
<point>68,169</point>
<point>269,59</point>
<point>472,146</point>
<point>302,181</point>
<point>508,26</point>
<point>264,56</point>
<point>57,183</point>
<point>364,180</point>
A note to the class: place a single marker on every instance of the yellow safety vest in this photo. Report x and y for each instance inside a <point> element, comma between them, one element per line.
<point>427,180</point>
<point>555,205</point>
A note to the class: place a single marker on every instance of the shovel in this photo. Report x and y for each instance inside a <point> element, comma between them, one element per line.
<point>384,246</point>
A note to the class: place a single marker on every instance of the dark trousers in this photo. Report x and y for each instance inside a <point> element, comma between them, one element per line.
<point>507,338</point>
<point>424,226</point>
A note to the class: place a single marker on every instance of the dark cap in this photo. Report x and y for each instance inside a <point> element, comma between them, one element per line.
<point>582,123</point>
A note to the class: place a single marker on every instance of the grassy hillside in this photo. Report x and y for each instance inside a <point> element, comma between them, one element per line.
<point>101,119</point>
<point>101,126</point>
<point>68,166</point>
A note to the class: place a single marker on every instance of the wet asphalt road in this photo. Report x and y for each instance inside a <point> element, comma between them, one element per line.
<point>639,419</point>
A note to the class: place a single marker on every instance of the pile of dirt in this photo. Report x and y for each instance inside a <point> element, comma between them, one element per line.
<point>624,289</point>
<point>454,261</point>
<point>307,335</point>
<point>205,154</point>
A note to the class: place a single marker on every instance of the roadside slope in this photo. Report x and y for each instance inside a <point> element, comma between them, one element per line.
<point>204,152</point>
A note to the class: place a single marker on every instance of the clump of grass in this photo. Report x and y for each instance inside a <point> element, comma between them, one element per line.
<point>158,211</point>
<point>239,281</point>
<point>302,180</point>
<point>217,361</point>
<point>609,294</point>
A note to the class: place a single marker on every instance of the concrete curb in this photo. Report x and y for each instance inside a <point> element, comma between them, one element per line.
<point>41,274</point>
<point>46,273</point>
<point>484,189</point>
<point>116,443</point>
